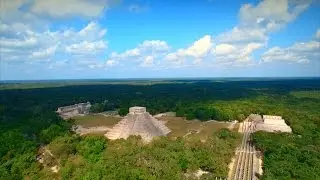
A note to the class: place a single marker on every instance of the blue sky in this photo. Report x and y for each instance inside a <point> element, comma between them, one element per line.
<point>80,39</point>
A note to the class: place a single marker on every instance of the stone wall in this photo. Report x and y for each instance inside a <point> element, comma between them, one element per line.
<point>137,110</point>
<point>73,110</point>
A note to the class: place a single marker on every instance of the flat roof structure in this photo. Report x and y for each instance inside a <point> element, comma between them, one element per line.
<point>273,120</point>
<point>73,110</point>
<point>273,124</point>
<point>137,110</point>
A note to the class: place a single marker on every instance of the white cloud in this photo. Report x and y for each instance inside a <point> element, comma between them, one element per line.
<point>86,47</point>
<point>98,65</point>
<point>235,54</point>
<point>147,61</point>
<point>155,45</point>
<point>143,54</point>
<point>243,35</point>
<point>127,54</point>
<point>298,53</point>
<point>11,5</point>
<point>272,13</point>
<point>175,58</point>
<point>198,50</point>
<point>67,8</point>
<point>111,63</point>
<point>132,53</point>
<point>18,43</point>
<point>93,29</point>
<point>10,9</point>
<point>256,22</point>
<point>45,53</point>
<point>224,49</point>
<point>25,44</point>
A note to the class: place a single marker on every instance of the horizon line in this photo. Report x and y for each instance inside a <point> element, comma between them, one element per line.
<point>164,78</point>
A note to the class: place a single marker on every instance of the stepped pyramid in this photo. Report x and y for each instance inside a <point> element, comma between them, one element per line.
<point>138,122</point>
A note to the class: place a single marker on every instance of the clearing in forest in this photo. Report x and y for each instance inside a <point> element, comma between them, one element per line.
<point>180,127</point>
<point>94,120</point>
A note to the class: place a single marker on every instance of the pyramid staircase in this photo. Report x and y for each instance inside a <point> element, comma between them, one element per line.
<point>142,124</point>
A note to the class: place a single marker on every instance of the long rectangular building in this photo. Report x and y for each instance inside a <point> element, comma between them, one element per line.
<point>73,110</point>
<point>273,124</point>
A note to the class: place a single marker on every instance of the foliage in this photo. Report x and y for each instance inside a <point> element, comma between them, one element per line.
<point>91,148</point>
<point>28,120</point>
<point>96,108</point>
<point>164,158</point>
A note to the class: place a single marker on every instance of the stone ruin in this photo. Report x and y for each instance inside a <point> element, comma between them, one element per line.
<point>138,122</point>
<point>67,112</point>
<point>270,123</point>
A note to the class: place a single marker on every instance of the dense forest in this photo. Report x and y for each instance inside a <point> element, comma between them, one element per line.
<point>28,121</point>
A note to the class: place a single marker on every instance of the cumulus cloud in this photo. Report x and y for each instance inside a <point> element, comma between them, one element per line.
<point>200,47</point>
<point>155,45</point>
<point>224,49</point>
<point>39,14</point>
<point>44,53</point>
<point>27,45</point>
<point>127,54</point>
<point>235,55</point>
<point>271,13</point>
<point>142,55</point>
<point>101,65</point>
<point>147,61</point>
<point>111,63</point>
<point>10,10</point>
<point>27,42</point>
<point>297,53</point>
<point>85,8</point>
<point>198,50</point>
<point>86,47</point>
<point>256,22</point>
<point>243,35</point>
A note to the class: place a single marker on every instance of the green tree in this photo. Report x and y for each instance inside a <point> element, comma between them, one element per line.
<point>91,147</point>
<point>97,107</point>
<point>51,132</point>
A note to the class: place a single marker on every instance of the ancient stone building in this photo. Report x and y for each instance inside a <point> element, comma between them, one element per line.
<point>70,111</point>
<point>272,124</point>
<point>138,122</point>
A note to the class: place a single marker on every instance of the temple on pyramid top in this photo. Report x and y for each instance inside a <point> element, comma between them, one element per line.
<point>137,110</point>
<point>138,122</point>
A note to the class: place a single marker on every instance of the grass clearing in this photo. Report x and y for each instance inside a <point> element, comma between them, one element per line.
<point>93,120</point>
<point>209,127</point>
<point>180,127</point>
